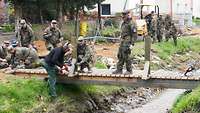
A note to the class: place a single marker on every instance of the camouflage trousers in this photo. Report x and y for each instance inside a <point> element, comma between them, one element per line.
<point>123,55</point>
<point>159,35</point>
<point>83,65</point>
<point>169,35</point>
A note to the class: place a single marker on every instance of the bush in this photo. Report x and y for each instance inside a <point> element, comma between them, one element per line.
<point>8,27</point>
<point>110,32</point>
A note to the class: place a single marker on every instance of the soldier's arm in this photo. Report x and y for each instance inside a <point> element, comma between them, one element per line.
<point>31,34</point>
<point>47,34</point>
<point>134,33</point>
<point>61,38</point>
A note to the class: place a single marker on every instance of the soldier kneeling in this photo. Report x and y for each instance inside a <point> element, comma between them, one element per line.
<point>84,56</point>
<point>23,57</point>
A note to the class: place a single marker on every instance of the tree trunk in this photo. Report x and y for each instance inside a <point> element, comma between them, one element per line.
<point>60,11</point>
<point>18,15</point>
<point>40,11</point>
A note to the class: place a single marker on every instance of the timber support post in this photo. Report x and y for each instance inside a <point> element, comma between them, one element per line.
<point>147,70</point>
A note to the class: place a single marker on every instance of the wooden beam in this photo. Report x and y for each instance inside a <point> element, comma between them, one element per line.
<point>133,82</point>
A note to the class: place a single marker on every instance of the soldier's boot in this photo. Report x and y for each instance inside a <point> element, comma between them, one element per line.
<point>128,73</point>
<point>89,70</point>
<point>117,72</point>
<point>81,70</point>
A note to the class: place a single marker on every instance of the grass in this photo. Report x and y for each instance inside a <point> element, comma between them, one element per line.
<point>189,102</point>
<point>196,21</point>
<point>100,65</point>
<point>186,44</point>
<point>21,95</point>
<point>17,95</point>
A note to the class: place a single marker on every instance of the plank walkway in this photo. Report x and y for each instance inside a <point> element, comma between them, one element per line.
<point>160,78</point>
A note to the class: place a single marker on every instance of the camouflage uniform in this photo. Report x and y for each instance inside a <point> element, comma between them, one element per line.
<point>25,36</point>
<point>84,57</point>
<point>160,28</point>
<point>173,33</point>
<point>168,23</point>
<point>3,56</point>
<point>53,37</point>
<point>128,36</point>
<point>151,26</point>
<point>25,56</point>
<point>153,30</point>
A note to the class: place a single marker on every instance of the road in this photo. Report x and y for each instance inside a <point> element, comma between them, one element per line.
<point>160,104</point>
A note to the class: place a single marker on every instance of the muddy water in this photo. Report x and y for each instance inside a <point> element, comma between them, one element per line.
<point>160,104</point>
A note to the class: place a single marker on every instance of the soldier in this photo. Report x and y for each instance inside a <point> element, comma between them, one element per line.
<point>52,35</point>
<point>160,28</point>
<point>23,56</point>
<point>168,23</point>
<point>4,55</point>
<point>128,36</point>
<point>173,33</point>
<point>84,56</point>
<point>153,29</point>
<point>24,34</point>
<point>151,25</point>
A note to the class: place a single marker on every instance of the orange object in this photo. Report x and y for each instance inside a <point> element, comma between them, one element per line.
<point>41,48</point>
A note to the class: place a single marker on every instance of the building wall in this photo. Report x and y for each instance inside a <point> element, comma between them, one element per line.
<point>196,8</point>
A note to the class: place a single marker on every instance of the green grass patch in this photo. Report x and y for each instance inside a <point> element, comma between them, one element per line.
<point>188,102</point>
<point>166,49</point>
<point>22,95</point>
<point>196,21</point>
<point>100,65</point>
<point>17,95</point>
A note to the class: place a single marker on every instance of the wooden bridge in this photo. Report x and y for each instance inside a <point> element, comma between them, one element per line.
<point>160,78</point>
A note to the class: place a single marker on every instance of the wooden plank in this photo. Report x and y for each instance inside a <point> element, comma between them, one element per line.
<point>146,70</point>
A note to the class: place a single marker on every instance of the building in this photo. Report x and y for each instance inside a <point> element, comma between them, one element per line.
<point>196,8</point>
<point>180,10</point>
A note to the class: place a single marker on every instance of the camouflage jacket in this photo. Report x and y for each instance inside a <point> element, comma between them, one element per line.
<point>160,24</point>
<point>84,52</point>
<point>25,36</point>
<point>128,33</point>
<point>23,54</point>
<point>52,36</point>
<point>168,23</point>
<point>3,52</point>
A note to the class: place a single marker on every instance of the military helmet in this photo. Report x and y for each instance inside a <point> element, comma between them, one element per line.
<point>14,43</point>
<point>22,21</point>
<point>6,42</point>
<point>80,38</point>
<point>54,22</point>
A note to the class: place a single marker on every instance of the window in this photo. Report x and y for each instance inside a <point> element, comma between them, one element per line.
<point>105,9</point>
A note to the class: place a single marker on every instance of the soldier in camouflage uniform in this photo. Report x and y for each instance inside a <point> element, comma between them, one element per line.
<point>84,56</point>
<point>52,35</point>
<point>153,29</point>
<point>173,33</point>
<point>4,55</point>
<point>160,28</point>
<point>128,36</point>
<point>22,56</point>
<point>24,34</point>
<point>168,23</point>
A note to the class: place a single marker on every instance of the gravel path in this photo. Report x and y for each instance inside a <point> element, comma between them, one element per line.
<point>160,104</point>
